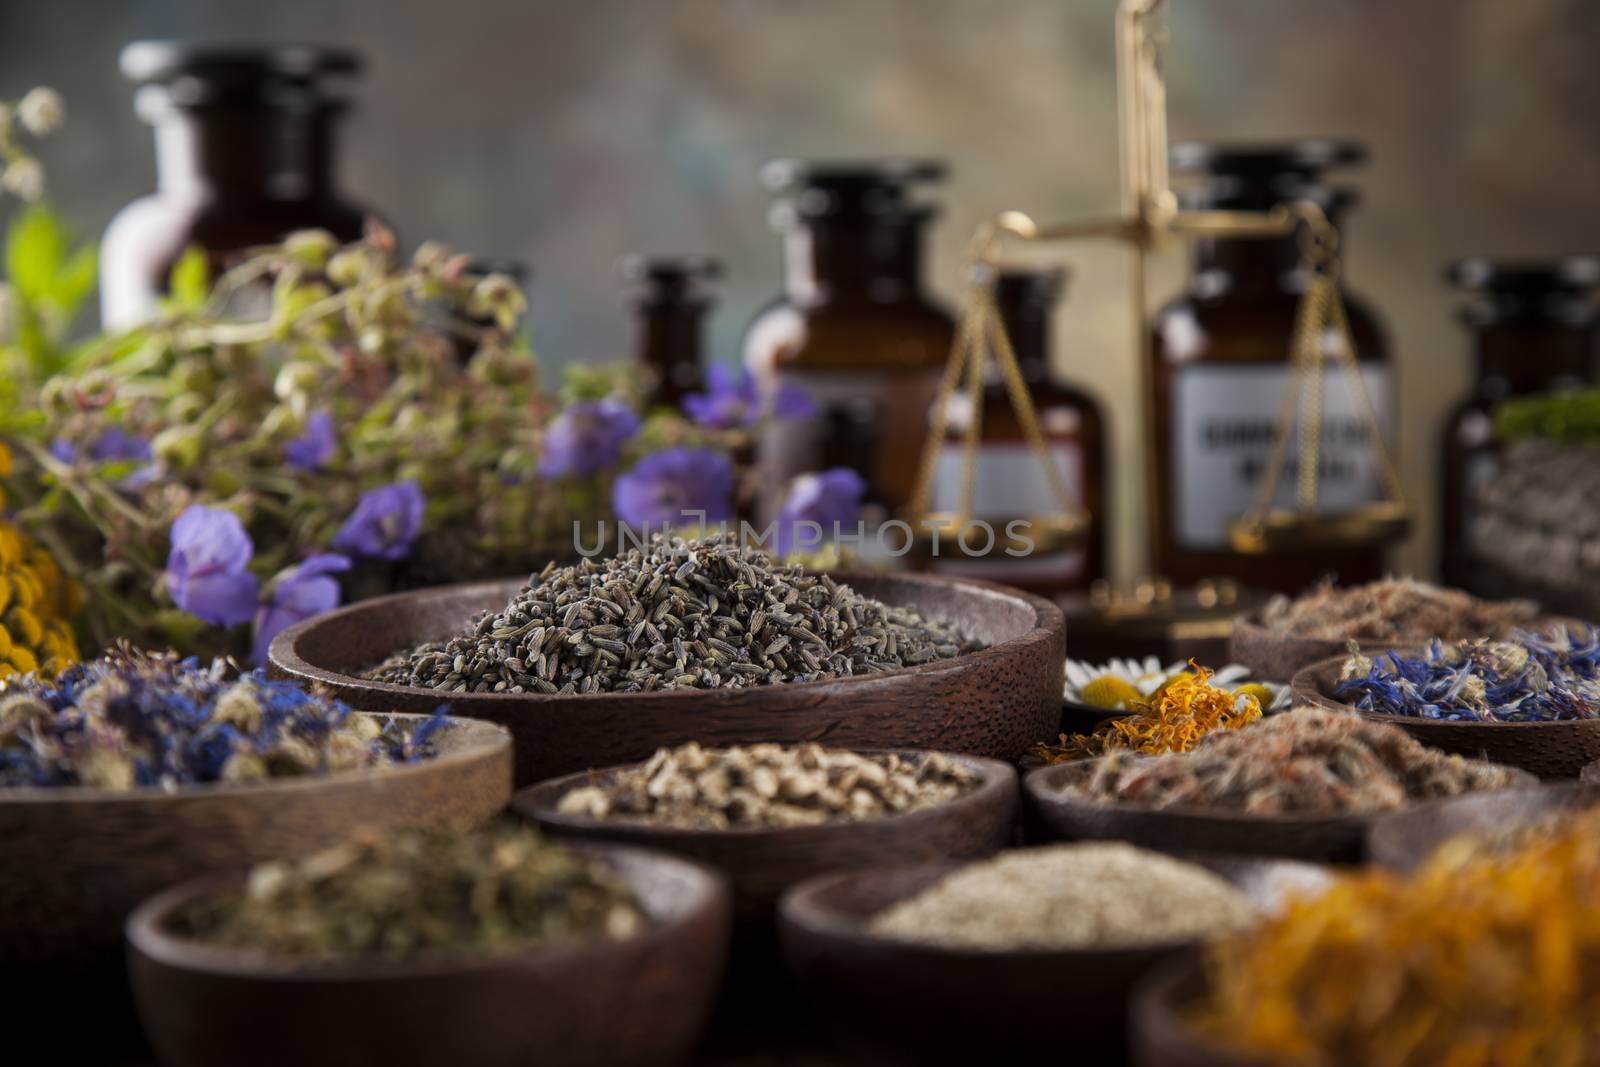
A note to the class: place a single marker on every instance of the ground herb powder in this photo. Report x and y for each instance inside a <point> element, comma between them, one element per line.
<point>1095,895</point>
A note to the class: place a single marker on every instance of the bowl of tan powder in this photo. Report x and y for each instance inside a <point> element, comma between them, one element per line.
<point>972,963</point>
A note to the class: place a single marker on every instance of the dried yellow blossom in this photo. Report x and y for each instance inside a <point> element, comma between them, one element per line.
<point>1174,719</point>
<point>36,603</point>
<point>1485,956</point>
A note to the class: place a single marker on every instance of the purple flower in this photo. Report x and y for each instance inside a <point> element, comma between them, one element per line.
<point>114,445</point>
<point>315,445</point>
<point>829,500</point>
<point>732,401</point>
<point>384,524</point>
<point>208,566</point>
<point>587,437</point>
<point>298,593</point>
<point>662,488</point>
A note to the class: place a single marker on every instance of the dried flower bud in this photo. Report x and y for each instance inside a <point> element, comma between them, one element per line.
<point>345,268</point>
<point>430,256</point>
<point>497,296</point>
<point>24,178</point>
<point>296,378</point>
<point>41,111</point>
<point>178,447</point>
<point>310,247</point>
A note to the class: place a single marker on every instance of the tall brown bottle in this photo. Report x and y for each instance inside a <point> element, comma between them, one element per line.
<point>1009,481</point>
<point>244,156</point>
<point>1535,329</point>
<point>671,295</point>
<point>1221,361</point>
<point>854,328</point>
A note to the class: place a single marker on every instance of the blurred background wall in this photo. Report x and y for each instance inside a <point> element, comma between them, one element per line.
<point>566,132</point>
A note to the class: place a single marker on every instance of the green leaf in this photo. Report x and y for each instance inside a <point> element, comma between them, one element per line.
<point>75,281</point>
<point>189,283</point>
<point>36,243</point>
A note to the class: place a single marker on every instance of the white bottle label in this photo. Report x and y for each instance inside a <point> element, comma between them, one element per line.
<point>1009,482</point>
<point>1223,421</point>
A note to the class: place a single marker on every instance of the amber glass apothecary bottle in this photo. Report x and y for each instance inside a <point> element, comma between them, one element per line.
<point>244,156</point>
<point>855,327</point>
<point>1010,482</point>
<point>671,296</point>
<point>1221,361</point>
<point>1535,329</point>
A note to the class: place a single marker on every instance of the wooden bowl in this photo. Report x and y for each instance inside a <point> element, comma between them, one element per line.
<point>1277,657</point>
<point>642,999</point>
<point>75,861</point>
<point>1551,750</point>
<point>760,864</point>
<point>1062,816</point>
<point>1403,839</point>
<point>893,1001</point>
<point>996,702</point>
<point>1161,1031</point>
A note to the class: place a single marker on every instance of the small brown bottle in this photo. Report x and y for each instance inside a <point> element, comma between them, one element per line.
<point>854,326</point>
<point>1221,356</point>
<point>244,156</point>
<point>1535,328</point>
<point>672,296</point>
<point>1010,482</point>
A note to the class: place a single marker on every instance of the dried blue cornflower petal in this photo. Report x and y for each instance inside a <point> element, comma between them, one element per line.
<point>132,720</point>
<point>1528,677</point>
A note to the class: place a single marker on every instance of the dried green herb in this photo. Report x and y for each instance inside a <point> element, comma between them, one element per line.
<point>410,894</point>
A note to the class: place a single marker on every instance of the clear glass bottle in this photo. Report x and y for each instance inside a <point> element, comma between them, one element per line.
<point>854,326</point>
<point>1221,361</point>
<point>1535,329</point>
<point>1010,482</point>
<point>244,156</point>
<point>672,295</point>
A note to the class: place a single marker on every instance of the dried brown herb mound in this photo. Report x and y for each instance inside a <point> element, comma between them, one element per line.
<point>703,614</point>
<point>1400,610</point>
<point>1303,761</point>
<point>770,786</point>
<point>404,895</point>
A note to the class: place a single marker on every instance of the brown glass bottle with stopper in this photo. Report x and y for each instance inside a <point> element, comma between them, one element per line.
<point>1220,364</point>
<point>1535,329</point>
<point>855,328</point>
<point>244,156</point>
<point>1010,482</point>
<point>671,296</point>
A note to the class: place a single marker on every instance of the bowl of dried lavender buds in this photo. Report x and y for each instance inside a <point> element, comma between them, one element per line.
<point>1529,700</point>
<point>496,948</point>
<point>1303,784</point>
<point>1480,956</point>
<point>952,963</point>
<point>1289,634</point>
<point>132,772</point>
<point>603,662</point>
<point>770,816</point>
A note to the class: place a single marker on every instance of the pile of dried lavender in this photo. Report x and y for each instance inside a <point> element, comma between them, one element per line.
<point>132,720</point>
<point>1303,761</point>
<point>403,895</point>
<point>703,614</point>
<point>1401,610</point>
<point>1096,895</point>
<point>1529,678</point>
<point>769,787</point>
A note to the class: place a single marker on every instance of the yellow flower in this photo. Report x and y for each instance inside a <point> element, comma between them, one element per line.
<point>23,660</point>
<point>36,602</point>
<point>5,460</point>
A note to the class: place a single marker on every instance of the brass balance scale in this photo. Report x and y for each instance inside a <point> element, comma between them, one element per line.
<point>1150,221</point>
